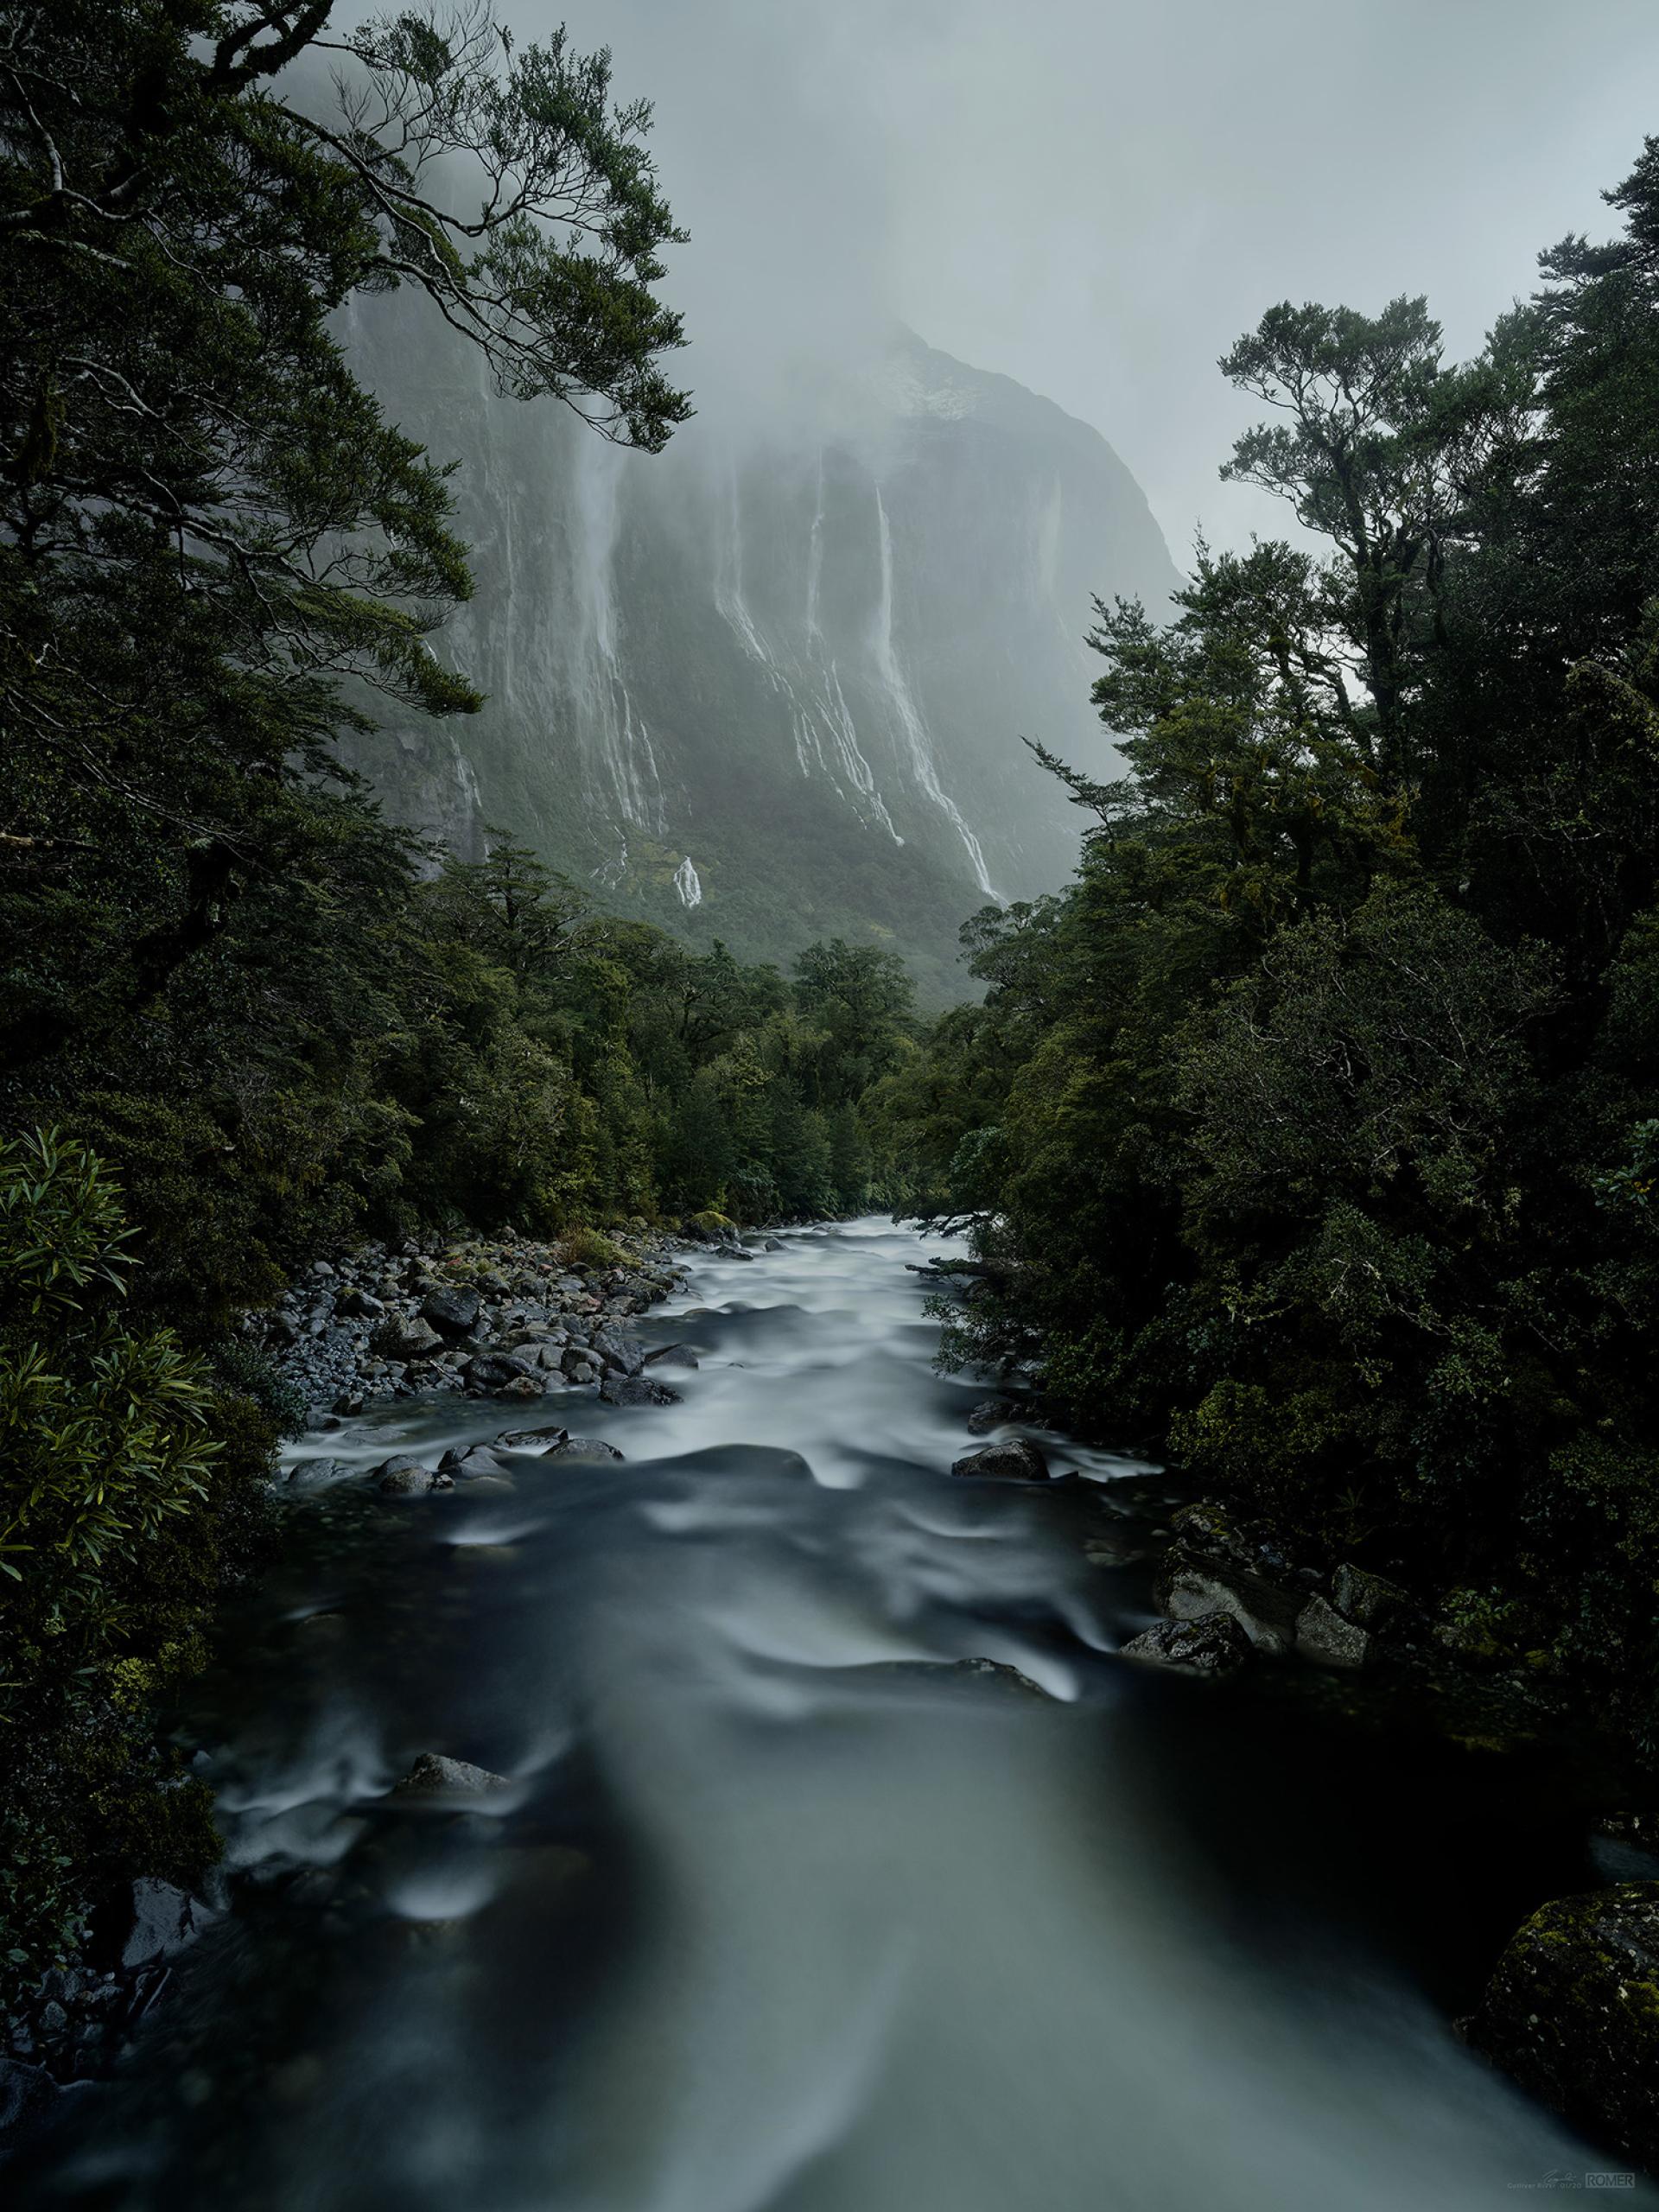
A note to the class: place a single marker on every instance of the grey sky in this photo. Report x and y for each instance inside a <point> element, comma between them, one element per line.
<point>1097,197</point>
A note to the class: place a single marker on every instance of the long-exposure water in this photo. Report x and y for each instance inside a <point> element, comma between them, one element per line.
<point>786,1907</point>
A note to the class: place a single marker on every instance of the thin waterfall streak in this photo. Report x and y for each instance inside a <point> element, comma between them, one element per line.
<point>911,727</point>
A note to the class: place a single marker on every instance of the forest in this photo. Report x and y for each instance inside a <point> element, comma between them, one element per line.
<point>1311,1135</point>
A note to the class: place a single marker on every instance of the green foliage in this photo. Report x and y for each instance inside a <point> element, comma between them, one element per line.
<point>128,1490</point>
<point>1313,1133</point>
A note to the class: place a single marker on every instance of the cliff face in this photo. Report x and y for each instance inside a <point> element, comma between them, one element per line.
<point>773,694</point>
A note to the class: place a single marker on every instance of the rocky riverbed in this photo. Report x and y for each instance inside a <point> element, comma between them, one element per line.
<point>508,1318</point>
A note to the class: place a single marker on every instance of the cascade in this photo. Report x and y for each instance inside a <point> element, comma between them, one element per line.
<point>912,728</point>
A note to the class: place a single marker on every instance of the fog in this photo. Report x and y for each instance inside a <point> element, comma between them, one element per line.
<point>1095,197</point>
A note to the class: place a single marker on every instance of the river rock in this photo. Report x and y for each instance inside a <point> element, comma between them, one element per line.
<point>530,1439</point>
<point>405,1337</point>
<point>165,1921</point>
<point>1017,1459</point>
<point>1366,1598</point>
<point>31,2100</point>
<point>306,1471</point>
<point>1215,1645</point>
<point>617,1352</point>
<point>636,1391</point>
<point>1191,1590</point>
<point>991,1413</point>
<point>490,1371</point>
<point>672,1356</point>
<point>360,1305</point>
<point>434,1775</point>
<point>401,1476</point>
<point>469,1460</point>
<point>1325,1637</point>
<point>454,1309</point>
<point>583,1447</point>
<point>1572,2013</point>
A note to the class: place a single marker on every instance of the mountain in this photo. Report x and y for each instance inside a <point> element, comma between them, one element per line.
<point>771,690</point>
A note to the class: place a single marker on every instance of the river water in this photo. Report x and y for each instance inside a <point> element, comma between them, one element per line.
<point>784,1906</point>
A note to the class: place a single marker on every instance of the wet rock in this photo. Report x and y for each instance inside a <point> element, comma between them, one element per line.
<point>1017,1460</point>
<point>524,1386</point>
<point>469,1461</point>
<point>636,1391</point>
<point>434,1775</point>
<point>320,1470</point>
<point>672,1356</point>
<point>991,1413</point>
<point>1191,1590</point>
<point>617,1352</point>
<point>531,1439</point>
<point>1366,1598</point>
<point>999,1671</point>
<point>583,1447</point>
<point>405,1337</point>
<point>1214,1646</point>
<point>1329,1640</point>
<point>1572,2013</point>
<point>454,1310</point>
<point>30,2101</point>
<point>489,1371</point>
<point>401,1476</point>
<point>165,1921</point>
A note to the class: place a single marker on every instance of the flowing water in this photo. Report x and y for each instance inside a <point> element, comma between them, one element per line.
<point>785,1907</point>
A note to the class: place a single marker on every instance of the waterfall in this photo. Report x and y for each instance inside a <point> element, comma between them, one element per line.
<point>611,726</point>
<point>688,883</point>
<point>813,688</point>
<point>912,728</point>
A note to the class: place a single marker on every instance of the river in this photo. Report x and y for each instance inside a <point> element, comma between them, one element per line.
<point>784,1906</point>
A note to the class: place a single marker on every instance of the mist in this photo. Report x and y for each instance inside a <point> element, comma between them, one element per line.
<point>1096,200</point>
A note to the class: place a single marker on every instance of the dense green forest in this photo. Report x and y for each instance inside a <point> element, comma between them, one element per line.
<point>1312,1132</point>
<point>242,1019</point>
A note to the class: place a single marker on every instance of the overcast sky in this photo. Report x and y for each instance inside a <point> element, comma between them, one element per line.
<point>1097,197</point>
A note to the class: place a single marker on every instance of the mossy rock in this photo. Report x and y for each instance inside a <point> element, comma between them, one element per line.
<point>1573,2013</point>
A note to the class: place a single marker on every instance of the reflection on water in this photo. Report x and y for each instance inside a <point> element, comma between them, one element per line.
<point>781,1908</point>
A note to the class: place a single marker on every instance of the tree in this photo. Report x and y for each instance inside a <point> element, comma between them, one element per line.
<point>206,523</point>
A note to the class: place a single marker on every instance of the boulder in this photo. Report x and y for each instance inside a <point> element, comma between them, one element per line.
<point>1324,1635</point>
<point>1366,1598</point>
<point>433,1775</point>
<point>454,1309</point>
<point>165,1921</point>
<point>618,1352</point>
<point>1213,1645</point>
<point>991,1413</point>
<point>470,1461</point>
<point>671,1356</point>
<point>1190,1590</point>
<point>320,1470</point>
<point>361,1304</point>
<point>1571,2011</point>
<point>531,1440</point>
<point>405,1337</point>
<point>583,1447</point>
<point>401,1476</point>
<point>489,1371</point>
<point>524,1386</point>
<point>31,2100</point>
<point>1018,1460</point>
<point>636,1391</point>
